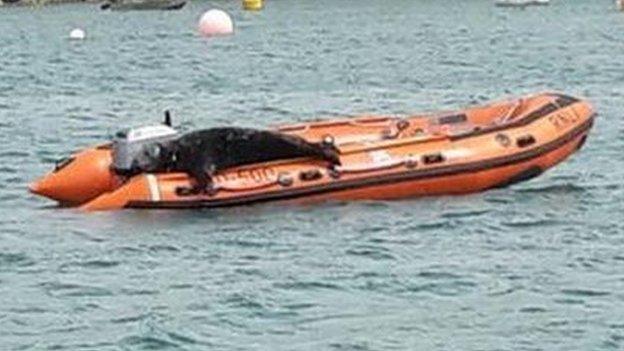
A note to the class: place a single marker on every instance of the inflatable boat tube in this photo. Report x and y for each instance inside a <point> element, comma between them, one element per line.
<point>383,158</point>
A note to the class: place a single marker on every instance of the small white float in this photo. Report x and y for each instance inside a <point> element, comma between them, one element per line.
<point>77,34</point>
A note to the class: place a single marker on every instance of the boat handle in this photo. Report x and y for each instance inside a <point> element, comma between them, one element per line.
<point>430,159</point>
<point>525,140</point>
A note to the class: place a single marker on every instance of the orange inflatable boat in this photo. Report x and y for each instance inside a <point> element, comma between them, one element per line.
<point>382,158</point>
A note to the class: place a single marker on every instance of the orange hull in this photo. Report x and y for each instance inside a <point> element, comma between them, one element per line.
<point>382,158</point>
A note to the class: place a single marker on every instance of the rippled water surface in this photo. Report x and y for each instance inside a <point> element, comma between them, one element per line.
<point>539,266</point>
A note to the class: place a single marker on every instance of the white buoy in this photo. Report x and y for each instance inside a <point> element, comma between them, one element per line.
<point>215,22</point>
<point>77,34</point>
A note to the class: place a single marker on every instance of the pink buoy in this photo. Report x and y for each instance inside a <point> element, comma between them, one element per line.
<point>215,22</point>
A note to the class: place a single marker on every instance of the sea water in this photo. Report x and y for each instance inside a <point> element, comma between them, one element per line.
<point>537,266</point>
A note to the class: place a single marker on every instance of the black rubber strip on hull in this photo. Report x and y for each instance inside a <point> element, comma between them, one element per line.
<point>523,176</point>
<point>414,175</point>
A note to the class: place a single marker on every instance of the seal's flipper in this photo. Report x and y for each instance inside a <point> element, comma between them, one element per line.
<point>201,171</point>
<point>330,153</point>
<point>322,150</point>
